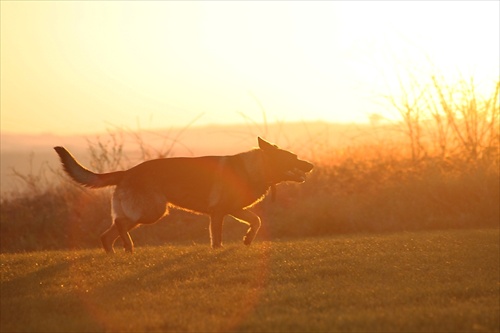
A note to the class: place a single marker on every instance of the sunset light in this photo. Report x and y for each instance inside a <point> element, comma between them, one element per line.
<point>79,67</point>
<point>256,166</point>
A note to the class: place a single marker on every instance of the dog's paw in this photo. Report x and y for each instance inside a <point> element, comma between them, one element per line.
<point>128,249</point>
<point>247,240</point>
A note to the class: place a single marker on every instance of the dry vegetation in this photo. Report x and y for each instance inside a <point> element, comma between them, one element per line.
<point>443,174</point>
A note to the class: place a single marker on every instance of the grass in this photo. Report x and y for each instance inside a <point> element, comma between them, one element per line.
<point>410,281</point>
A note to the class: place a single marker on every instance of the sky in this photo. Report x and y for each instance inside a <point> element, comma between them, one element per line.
<point>70,67</point>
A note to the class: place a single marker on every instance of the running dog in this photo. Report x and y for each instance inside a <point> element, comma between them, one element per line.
<point>212,185</point>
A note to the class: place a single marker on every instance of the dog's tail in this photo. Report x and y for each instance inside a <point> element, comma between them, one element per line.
<point>84,176</point>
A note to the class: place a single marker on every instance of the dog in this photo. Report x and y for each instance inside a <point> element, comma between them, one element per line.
<point>213,185</point>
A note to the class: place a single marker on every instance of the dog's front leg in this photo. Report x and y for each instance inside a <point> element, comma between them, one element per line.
<point>216,230</point>
<point>251,218</point>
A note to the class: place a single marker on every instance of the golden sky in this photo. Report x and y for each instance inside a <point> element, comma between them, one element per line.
<point>84,66</point>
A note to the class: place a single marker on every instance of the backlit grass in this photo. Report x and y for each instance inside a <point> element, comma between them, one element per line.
<point>421,281</point>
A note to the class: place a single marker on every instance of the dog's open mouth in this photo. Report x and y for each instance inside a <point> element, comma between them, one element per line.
<point>296,175</point>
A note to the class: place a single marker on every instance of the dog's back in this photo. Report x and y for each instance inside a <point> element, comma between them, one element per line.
<point>203,184</point>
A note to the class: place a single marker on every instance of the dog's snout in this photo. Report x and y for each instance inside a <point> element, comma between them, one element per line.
<point>306,166</point>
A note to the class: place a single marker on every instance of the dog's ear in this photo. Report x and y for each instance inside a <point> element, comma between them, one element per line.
<point>264,145</point>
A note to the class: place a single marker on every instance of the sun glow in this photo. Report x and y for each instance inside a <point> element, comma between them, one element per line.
<point>82,66</point>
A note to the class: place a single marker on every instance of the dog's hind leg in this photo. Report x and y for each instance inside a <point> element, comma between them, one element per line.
<point>108,238</point>
<point>250,218</point>
<point>216,221</point>
<point>124,225</point>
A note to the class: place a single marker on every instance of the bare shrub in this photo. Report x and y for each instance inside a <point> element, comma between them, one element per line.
<point>442,119</point>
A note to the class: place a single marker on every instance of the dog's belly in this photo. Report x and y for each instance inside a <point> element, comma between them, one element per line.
<point>218,198</point>
<point>194,199</point>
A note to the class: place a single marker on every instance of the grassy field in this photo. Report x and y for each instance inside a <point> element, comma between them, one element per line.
<point>412,281</point>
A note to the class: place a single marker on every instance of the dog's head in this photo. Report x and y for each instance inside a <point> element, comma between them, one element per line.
<point>282,165</point>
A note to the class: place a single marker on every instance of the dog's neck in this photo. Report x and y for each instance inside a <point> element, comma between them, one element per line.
<point>258,175</point>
